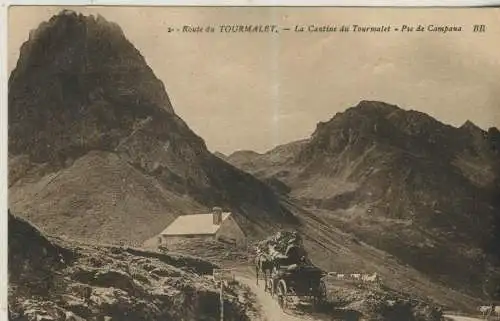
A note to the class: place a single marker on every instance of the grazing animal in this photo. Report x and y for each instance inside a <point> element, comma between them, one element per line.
<point>497,311</point>
<point>340,276</point>
<point>356,276</point>
<point>484,309</point>
<point>371,278</point>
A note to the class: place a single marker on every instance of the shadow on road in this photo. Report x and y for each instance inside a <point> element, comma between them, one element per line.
<point>330,311</point>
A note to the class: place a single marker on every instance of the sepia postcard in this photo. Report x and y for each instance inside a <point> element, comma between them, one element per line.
<point>253,163</point>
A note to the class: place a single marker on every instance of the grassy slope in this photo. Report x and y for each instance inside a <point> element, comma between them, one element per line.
<point>123,203</point>
<point>335,250</point>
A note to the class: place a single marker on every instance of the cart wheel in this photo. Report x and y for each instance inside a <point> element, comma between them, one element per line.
<point>282,290</point>
<point>322,290</point>
<point>270,286</point>
<point>320,296</point>
<point>281,301</point>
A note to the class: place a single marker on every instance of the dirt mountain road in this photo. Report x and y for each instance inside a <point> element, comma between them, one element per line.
<point>269,307</point>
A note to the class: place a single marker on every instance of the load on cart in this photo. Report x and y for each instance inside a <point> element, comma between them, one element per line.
<point>288,274</point>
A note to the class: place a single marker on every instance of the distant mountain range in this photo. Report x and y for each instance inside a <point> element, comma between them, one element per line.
<point>96,152</point>
<point>402,181</point>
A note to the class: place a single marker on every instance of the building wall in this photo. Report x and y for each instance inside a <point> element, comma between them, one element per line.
<point>228,232</point>
<point>172,241</point>
<point>231,232</point>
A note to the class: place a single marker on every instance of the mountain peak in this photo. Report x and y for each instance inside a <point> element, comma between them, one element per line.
<point>71,32</point>
<point>67,15</point>
<point>365,112</point>
<point>376,105</point>
<point>100,88</point>
<point>82,98</point>
<point>372,122</point>
<point>470,126</point>
<point>366,109</point>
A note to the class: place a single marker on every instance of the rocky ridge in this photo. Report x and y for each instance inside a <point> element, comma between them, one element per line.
<point>403,182</point>
<point>81,96</point>
<point>56,279</point>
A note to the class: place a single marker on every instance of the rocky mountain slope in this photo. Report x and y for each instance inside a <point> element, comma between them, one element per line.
<point>51,278</point>
<point>95,147</point>
<point>97,152</point>
<point>56,279</point>
<point>403,182</point>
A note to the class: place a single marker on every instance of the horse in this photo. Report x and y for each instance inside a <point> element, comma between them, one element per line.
<point>264,264</point>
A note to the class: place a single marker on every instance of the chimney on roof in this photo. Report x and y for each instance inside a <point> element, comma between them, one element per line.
<point>217,215</point>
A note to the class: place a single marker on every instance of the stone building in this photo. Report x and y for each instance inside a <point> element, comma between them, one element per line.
<point>218,225</point>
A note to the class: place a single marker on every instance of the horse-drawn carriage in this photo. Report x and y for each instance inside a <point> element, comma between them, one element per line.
<point>297,282</point>
<point>290,276</point>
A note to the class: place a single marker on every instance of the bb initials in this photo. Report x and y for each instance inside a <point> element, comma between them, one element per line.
<point>479,28</point>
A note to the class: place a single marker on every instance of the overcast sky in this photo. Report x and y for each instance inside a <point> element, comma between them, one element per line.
<point>255,91</point>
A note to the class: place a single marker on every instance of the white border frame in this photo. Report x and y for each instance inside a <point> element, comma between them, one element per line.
<point>266,3</point>
<point>4,4</point>
<point>3,161</point>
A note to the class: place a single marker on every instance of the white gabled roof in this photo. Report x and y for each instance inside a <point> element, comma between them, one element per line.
<point>195,224</point>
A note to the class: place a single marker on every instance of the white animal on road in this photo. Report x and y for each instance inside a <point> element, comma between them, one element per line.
<point>486,309</point>
<point>497,311</point>
<point>371,278</point>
